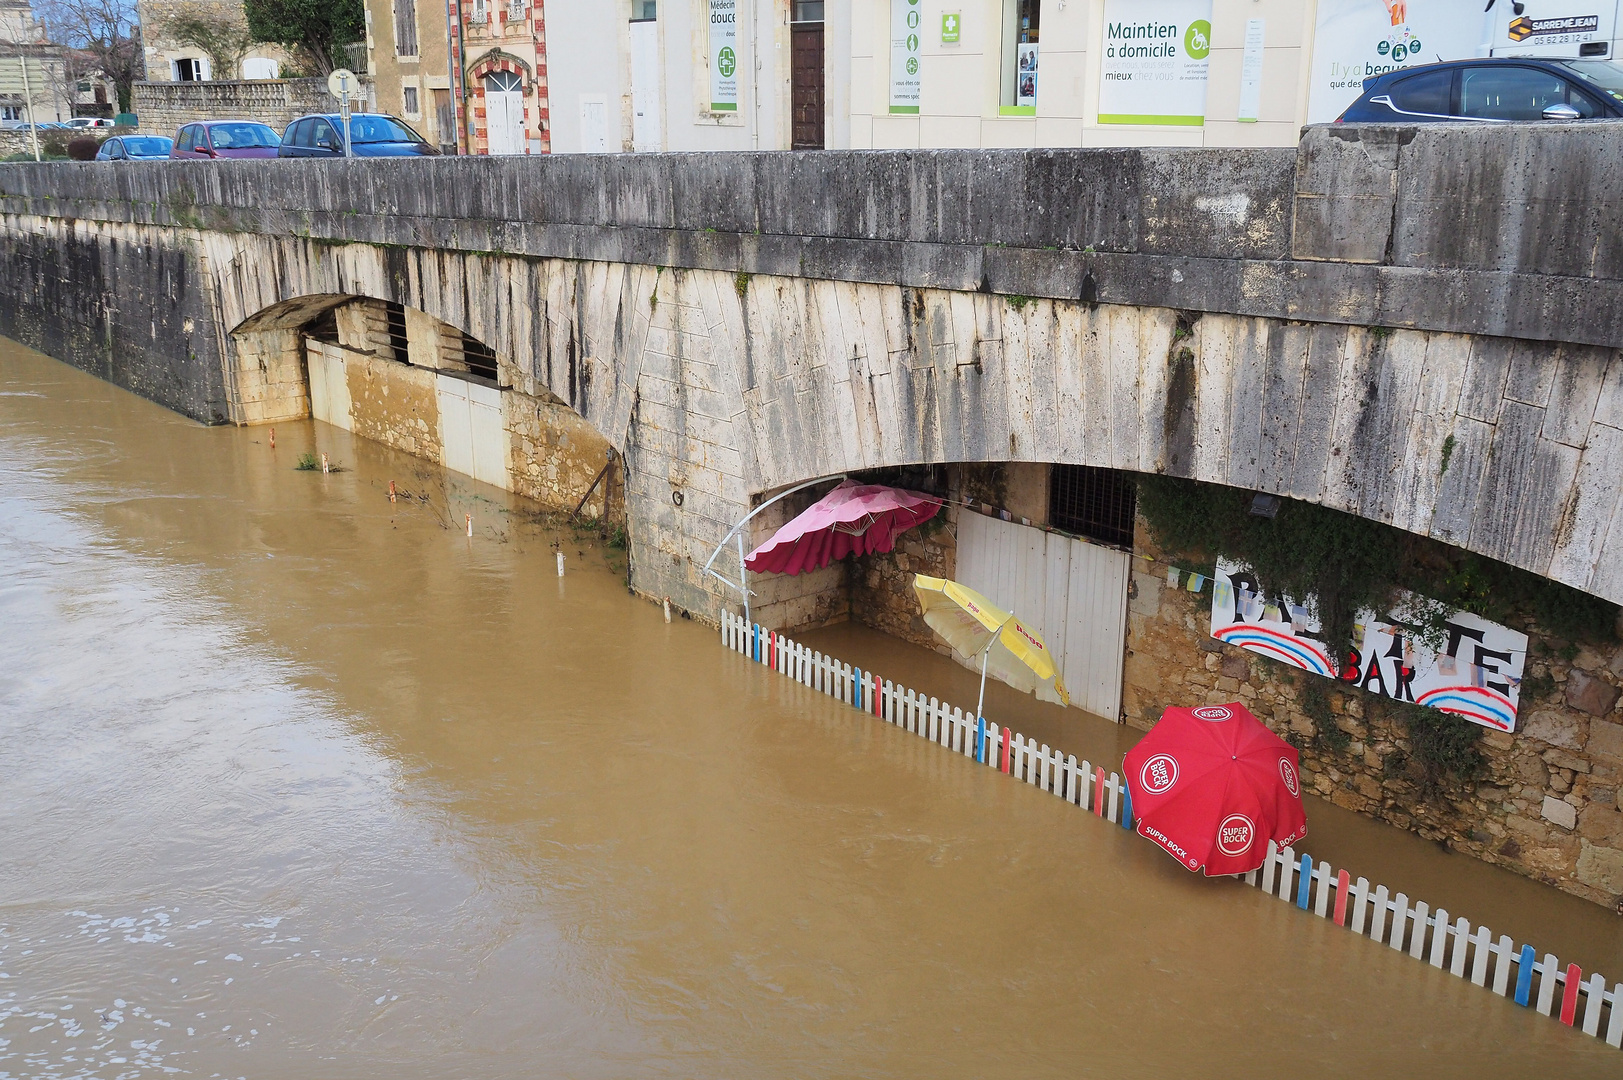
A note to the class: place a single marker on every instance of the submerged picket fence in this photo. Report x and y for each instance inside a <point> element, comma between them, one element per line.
<point>1392,919</point>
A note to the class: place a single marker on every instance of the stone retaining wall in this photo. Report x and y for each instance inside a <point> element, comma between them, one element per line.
<point>164,106</point>
<point>1545,804</point>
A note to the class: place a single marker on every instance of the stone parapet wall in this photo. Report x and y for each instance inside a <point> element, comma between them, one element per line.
<point>162,107</point>
<point>1545,803</point>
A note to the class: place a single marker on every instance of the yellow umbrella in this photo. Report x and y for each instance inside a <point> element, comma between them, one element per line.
<point>972,625</point>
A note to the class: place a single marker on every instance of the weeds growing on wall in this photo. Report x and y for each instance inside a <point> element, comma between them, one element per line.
<point>1442,744</point>
<point>1326,733</point>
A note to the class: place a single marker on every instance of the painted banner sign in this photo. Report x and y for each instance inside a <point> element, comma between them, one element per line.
<point>1476,674</point>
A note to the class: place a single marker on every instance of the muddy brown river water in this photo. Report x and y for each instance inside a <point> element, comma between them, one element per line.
<point>296,782</point>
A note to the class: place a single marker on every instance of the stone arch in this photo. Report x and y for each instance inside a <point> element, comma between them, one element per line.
<point>399,376</point>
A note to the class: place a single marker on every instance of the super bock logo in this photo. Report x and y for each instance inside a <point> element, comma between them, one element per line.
<point>1287,773</point>
<point>1158,774</point>
<point>1235,834</point>
<point>1214,713</point>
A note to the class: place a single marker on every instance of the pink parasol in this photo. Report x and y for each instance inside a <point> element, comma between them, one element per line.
<point>853,518</point>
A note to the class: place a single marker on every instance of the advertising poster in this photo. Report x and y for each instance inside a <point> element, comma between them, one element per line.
<point>724,55</point>
<point>1155,58</point>
<point>1356,39</point>
<point>1475,671</point>
<point>1025,77</point>
<point>906,19</point>
<point>1251,71</point>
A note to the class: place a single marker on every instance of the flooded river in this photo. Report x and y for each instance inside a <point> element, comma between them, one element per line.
<point>296,782</point>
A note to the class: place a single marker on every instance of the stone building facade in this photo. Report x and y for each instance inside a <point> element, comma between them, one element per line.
<point>500,76</point>
<point>409,60</point>
<point>170,60</point>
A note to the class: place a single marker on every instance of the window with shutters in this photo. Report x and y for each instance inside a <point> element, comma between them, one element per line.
<point>405,27</point>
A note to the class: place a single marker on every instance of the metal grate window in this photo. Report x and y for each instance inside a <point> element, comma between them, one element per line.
<point>479,357</point>
<point>395,317</point>
<point>1096,503</point>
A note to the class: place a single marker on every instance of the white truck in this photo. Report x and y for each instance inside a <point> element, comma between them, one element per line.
<point>1551,29</point>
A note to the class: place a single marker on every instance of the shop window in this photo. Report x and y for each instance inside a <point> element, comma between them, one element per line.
<point>1020,30</point>
<point>1096,503</point>
<point>479,357</point>
<point>408,101</point>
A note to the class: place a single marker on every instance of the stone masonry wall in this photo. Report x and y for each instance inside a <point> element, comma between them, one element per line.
<point>1545,804</point>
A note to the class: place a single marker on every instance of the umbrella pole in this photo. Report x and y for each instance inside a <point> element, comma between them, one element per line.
<point>743,580</point>
<point>980,724</point>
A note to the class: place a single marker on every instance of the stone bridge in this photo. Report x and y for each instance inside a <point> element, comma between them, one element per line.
<point>1419,326</point>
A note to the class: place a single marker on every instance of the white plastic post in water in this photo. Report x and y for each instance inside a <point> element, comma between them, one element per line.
<point>325,468</point>
<point>560,564</point>
<point>470,524</point>
<point>667,599</point>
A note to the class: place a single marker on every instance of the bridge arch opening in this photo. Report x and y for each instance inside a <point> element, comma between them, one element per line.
<point>399,376</point>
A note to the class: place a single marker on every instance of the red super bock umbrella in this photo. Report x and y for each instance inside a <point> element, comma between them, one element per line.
<point>1212,786</point>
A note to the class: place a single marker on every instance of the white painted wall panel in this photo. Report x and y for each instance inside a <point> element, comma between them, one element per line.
<point>1073,591</point>
<point>329,384</point>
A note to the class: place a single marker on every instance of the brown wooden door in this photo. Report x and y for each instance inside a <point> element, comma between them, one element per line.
<point>806,86</point>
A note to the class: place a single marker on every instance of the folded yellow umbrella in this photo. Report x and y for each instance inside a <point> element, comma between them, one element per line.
<point>974,626</point>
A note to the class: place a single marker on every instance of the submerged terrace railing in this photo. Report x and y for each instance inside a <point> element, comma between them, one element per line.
<point>1394,920</point>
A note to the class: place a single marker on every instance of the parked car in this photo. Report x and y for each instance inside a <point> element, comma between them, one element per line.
<point>135,148</point>
<point>89,122</point>
<point>370,135</point>
<point>225,139</point>
<point>1492,91</point>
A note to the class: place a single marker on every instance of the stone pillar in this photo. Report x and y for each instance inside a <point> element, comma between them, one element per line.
<point>271,382</point>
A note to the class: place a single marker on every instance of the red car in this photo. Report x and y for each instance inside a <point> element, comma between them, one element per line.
<point>226,139</point>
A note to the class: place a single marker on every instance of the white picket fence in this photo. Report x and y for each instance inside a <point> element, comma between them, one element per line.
<point>1412,926</point>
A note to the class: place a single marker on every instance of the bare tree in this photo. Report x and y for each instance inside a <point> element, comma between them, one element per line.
<point>105,29</point>
<point>222,34</point>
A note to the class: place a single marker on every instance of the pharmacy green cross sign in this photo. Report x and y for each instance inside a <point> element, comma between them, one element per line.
<point>950,21</point>
<point>727,62</point>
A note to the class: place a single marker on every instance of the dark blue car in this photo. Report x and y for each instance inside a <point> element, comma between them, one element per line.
<point>370,135</point>
<point>1492,91</point>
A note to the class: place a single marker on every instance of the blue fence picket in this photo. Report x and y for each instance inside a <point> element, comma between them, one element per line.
<point>1524,976</point>
<point>1306,883</point>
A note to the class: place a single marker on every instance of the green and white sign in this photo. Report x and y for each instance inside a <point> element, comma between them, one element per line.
<point>1155,58</point>
<point>906,27</point>
<point>724,55</point>
<point>951,25</point>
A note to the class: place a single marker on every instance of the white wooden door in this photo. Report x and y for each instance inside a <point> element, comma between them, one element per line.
<point>504,113</point>
<point>473,438</point>
<point>646,133</point>
<point>329,384</point>
<point>594,124</point>
<point>1073,591</point>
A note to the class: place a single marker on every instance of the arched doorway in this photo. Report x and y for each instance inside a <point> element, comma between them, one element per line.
<point>504,112</point>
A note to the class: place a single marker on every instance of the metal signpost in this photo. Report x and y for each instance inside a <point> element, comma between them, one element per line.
<point>338,84</point>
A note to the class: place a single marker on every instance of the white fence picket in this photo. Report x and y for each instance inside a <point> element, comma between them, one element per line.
<point>1614,1026</point>
<point>1595,996</point>
<point>1547,979</point>
<point>1321,906</point>
<point>1462,939</point>
<point>1287,872</point>
<point>1481,950</point>
<point>1504,958</point>
<point>1417,944</point>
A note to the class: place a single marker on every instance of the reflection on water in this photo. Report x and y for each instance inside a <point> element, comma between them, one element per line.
<point>299,782</point>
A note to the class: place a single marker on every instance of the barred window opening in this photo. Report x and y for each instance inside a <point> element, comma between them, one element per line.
<point>1096,503</point>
